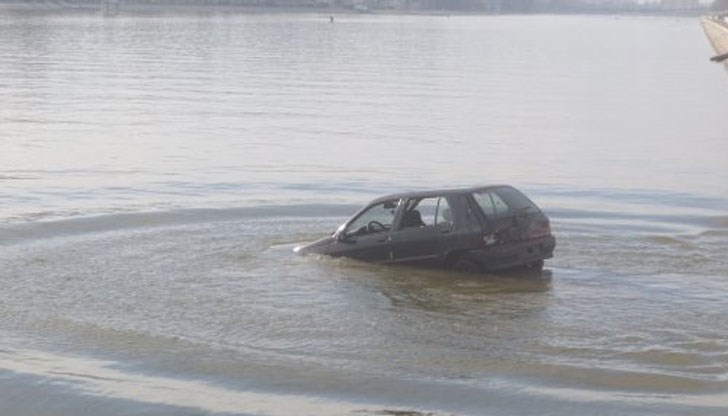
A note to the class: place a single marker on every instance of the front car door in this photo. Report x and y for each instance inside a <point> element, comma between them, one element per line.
<point>368,235</point>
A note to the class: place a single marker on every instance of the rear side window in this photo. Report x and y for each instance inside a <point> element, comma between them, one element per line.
<point>501,202</point>
<point>492,205</point>
<point>516,201</point>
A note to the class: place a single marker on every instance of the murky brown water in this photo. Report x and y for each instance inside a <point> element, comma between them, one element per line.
<point>155,173</point>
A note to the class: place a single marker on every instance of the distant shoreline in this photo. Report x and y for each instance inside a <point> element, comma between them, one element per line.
<point>173,7</point>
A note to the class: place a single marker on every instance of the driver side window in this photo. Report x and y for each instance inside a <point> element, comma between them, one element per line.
<point>377,218</point>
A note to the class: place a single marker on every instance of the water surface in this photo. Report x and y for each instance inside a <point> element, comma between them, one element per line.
<point>156,172</point>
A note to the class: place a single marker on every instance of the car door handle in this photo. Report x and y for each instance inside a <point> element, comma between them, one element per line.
<point>382,240</point>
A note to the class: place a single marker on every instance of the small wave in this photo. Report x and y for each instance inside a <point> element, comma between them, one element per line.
<point>714,233</point>
<point>705,220</point>
<point>13,233</point>
<point>637,211</point>
<point>104,379</point>
<point>575,395</point>
<point>15,178</point>
<point>610,222</point>
<point>670,358</point>
<point>669,240</point>
<point>47,121</point>
<point>635,197</point>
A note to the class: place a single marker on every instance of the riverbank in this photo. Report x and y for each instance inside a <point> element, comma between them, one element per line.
<point>716,29</point>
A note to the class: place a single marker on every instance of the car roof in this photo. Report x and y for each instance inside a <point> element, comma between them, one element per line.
<point>436,192</point>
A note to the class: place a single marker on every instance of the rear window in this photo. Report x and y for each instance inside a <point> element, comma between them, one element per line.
<point>501,202</point>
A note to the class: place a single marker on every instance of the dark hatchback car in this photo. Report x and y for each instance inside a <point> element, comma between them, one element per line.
<point>472,230</point>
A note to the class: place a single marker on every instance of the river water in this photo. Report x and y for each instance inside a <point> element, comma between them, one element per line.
<point>157,170</point>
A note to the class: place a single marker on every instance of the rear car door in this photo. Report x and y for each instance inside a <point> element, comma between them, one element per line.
<point>418,238</point>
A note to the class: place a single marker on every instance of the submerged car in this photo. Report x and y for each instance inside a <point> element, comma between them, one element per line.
<point>474,230</point>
